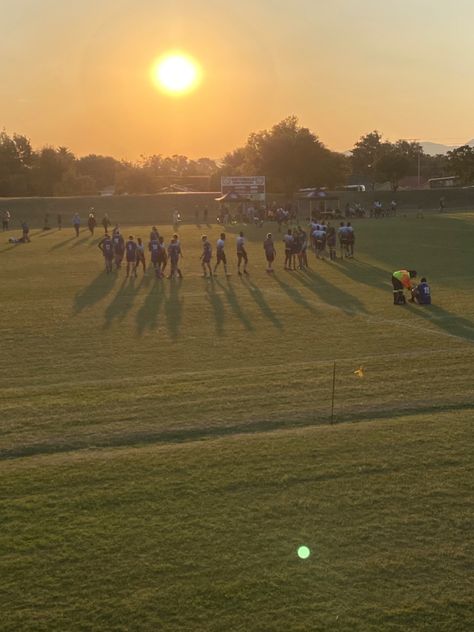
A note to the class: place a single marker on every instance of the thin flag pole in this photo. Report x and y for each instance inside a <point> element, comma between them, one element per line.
<point>333,392</point>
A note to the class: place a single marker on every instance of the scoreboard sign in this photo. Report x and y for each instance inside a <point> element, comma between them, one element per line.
<point>249,187</point>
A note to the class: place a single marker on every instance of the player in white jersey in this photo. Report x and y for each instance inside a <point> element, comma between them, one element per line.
<point>241,253</point>
<point>220,253</point>
<point>288,240</point>
<point>342,235</point>
<point>140,255</point>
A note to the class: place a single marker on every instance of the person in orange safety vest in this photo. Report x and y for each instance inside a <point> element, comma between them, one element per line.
<point>401,279</point>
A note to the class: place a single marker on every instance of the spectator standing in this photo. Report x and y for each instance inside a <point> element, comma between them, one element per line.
<point>26,232</point>
<point>6,217</point>
<point>76,222</point>
<point>106,222</point>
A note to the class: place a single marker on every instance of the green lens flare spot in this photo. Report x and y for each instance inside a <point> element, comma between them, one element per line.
<point>303,552</point>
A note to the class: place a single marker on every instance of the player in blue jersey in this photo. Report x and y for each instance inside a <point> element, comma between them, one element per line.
<point>154,248</point>
<point>206,256</point>
<point>131,256</point>
<point>270,253</point>
<point>162,256</point>
<point>119,248</point>
<point>174,254</point>
<point>421,294</point>
<point>107,248</point>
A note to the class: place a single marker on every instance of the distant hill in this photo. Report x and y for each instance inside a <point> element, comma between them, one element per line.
<point>436,148</point>
<point>432,149</point>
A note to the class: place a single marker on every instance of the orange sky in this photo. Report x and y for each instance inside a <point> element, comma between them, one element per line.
<point>77,73</point>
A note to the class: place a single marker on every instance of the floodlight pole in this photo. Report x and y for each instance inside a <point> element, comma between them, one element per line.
<point>333,392</point>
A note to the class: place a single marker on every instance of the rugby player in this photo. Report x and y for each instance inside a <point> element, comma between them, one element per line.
<point>241,253</point>
<point>220,252</point>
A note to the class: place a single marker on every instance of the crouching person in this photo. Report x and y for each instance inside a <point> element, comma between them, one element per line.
<point>421,293</point>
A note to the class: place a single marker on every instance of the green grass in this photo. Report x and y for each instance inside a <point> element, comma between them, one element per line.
<point>166,446</point>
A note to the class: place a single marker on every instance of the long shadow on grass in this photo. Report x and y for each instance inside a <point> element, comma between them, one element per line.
<point>11,246</point>
<point>293,293</point>
<point>63,243</point>
<point>217,305</point>
<point>447,321</point>
<point>147,316</point>
<point>81,241</point>
<point>364,273</point>
<point>123,301</point>
<point>185,435</point>
<point>95,292</point>
<point>258,297</point>
<point>233,301</point>
<point>174,308</point>
<point>330,293</point>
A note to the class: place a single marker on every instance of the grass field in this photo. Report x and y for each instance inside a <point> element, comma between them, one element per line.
<point>166,446</point>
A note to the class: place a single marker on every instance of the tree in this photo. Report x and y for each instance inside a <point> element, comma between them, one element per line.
<point>16,156</point>
<point>461,163</point>
<point>368,150</point>
<point>393,166</point>
<point>102,169</point>
<point>290,156</point>
<point>48,168</point>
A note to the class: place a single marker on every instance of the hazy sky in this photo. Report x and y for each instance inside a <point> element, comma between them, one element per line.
<point>77,72</point>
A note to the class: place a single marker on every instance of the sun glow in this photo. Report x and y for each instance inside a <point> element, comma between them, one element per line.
<point>176,74</point>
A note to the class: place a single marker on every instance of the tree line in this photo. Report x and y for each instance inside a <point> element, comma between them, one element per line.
<point>289,155</point>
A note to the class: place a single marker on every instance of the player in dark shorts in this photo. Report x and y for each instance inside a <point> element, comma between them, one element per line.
<point>270,253</point>
<point>295,249</point>
<point>303,248</point>
<point>154,248</point>
<point>331,242</point>
<point>131,256</point>
<point>241,254</point>
<point>342,233</point>
<point>421,293</point>
<point>140,255</point>
<point>162,256</point>
<point>76,222</point>
<point>106,222</point>
<point>91,222</point>
<point>220,254</point>
<point>107,248</point>
<point>119,248</point>
<point>289,241</point>
<point>402,279</point>
<point>350,238</point>
<point>206,256</point>
<point>26,232</point>
<point>174,253</point>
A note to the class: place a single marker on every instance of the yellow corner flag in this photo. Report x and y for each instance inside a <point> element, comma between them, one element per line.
<point>359,372</point>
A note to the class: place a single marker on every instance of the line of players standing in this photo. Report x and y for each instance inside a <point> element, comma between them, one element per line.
<point>115,249</point>
<point>323,240</point>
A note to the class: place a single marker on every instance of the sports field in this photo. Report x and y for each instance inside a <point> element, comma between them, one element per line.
<point>166,445</point>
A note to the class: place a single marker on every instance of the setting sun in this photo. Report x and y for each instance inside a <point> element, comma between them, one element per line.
<point>176,74</point>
